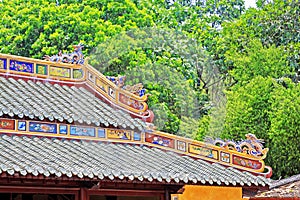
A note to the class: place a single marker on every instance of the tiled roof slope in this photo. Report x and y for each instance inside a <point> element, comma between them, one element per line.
<point>63,103</point>
<point>285,188</point>
<point>99,160</point>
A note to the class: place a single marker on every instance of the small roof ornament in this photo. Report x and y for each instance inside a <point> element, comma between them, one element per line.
<point>76,57</point>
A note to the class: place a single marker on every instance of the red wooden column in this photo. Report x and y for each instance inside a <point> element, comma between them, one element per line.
<point>84,194</point>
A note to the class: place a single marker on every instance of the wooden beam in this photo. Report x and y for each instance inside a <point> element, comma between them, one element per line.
<point>118,192</point>
<point>40,190</point>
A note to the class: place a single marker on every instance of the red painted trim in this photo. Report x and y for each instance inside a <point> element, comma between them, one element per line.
<point>267,174</point>
<point>40,190</point>
<point>118,192</point>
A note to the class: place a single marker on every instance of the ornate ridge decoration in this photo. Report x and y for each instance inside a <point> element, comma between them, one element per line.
<point>251,146</point>
<point>136,89</point>
<point>76,57</point>
<point>224,155</point>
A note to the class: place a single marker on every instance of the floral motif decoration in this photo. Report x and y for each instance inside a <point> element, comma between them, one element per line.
<point>7,124</point>
<point>248,163</point>
<point>21,66</point>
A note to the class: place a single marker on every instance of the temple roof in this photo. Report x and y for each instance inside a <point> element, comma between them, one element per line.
<point>69,121</point>
<point>42,100</point>
<point>52,157</point>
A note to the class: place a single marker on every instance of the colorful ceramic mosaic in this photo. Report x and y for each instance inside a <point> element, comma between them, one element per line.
<point>245,162</point>
<point>78,73</point>
<point>112,92</point>
<point>118,81</point>
<point>136,89</point>
<point>118,134</point>
<point>159,140</point>
<point>225,157</point>
<point>136,136</point>
<point>42,127</point>
<point>101,85</point>
<point>2,63</point>
<point>21,125</point>
<point>82,131</point>
<point>76,57</point>
<point>131,102</point>
<point>101,133</point>
<point>181,146</point>
<point>8,124</point>
<point>20,66</point>
<point>59,72</point>
<point>203,151</point>
<point>63,129</point>
<point>41,69</point>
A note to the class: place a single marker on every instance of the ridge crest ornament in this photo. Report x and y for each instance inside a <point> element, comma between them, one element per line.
<point>76,57</point>
<point>251,145</point>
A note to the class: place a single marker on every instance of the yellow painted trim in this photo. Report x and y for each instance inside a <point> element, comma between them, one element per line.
<point>104,79</point>
<point>187,142</point>
<point>142,141</point>
<point>71,67</point>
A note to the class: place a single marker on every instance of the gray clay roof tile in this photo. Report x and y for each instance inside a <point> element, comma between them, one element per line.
<point>40,101</point>
<point>72,158</point>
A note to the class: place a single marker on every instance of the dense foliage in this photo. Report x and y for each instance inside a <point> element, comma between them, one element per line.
<point>190,55</point>
<point>260,52</point>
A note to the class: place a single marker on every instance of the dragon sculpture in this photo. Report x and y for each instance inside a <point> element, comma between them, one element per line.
<point>251,145</point>
<point>136,89</point>
<point>76,57</point>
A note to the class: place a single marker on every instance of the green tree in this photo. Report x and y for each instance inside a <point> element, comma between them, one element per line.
<point>167,65</point>
<point>274,25</point>
<point>284,156</point>
<point>248,109</point>
<point>269,109</point>
<point>257,60</point>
